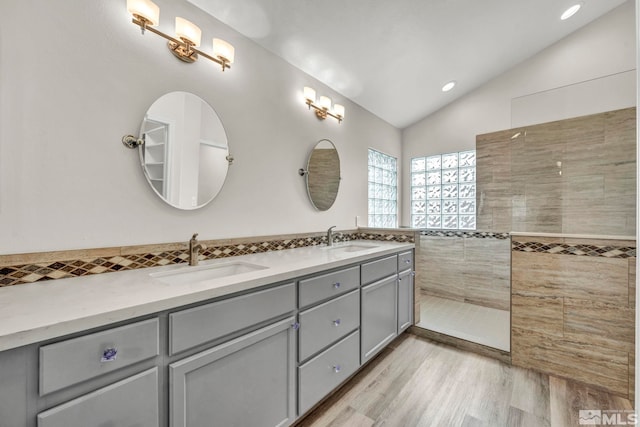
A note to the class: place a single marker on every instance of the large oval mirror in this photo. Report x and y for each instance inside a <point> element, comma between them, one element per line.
<point>323,175</point>
<point>184,154</point>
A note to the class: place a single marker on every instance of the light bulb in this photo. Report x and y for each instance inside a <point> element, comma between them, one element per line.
<point>571,11</point>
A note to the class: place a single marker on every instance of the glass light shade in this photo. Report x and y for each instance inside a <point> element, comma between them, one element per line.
<point>338,110</point>
<point>325,102</point>
<point>145,9</point>
<point>309,94</point>
<point>188,31</point>
<point>224,50</point>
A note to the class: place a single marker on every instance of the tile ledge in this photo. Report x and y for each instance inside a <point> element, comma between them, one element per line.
<point>573,236</point>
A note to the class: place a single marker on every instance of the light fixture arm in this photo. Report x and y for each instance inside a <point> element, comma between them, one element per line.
<point>184,50</point>
<point>322,113</point>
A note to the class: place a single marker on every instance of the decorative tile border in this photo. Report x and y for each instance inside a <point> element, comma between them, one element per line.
<point>465,234</point>
<point>36,272</point>
<point>575,249</point>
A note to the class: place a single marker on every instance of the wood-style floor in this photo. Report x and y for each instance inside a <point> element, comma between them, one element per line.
<point>417,382</point>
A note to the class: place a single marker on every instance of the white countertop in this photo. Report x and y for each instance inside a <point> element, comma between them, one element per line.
<point>43,310</point>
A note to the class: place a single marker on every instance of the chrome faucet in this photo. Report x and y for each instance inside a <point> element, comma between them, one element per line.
<point>330,236</point>
<point>194,249</point>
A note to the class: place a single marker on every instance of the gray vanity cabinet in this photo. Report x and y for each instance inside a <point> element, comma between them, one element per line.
<point>262,357</point>
<point>245,382</point>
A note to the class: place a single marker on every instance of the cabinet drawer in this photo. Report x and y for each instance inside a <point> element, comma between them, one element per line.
<point>130,402</point>
<point>320,288</point>
<point>199,325</point>
<point>79,359</point>
<point>328,322</point>
<point>326,371</point>
<point>379,269</point>
<point>405,261</point>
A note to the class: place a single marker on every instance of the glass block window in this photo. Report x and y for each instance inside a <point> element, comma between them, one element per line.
<point>383,190</point>
<point>443,191</point>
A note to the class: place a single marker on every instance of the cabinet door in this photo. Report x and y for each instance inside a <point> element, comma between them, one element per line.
<point>132,402</point>
<point>405,300</point>
<point>249,381</point>
<point>379,316</point>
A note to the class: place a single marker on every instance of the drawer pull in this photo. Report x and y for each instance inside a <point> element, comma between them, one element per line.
<point>407,261</point>
<point>295,326</point>
<point>336,285</point>
<point>109,354</point>
<point>337,322</point>
<point>336,369</point>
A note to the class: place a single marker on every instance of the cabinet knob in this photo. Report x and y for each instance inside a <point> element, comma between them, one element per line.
<point>413,274</point>
<point>337,322</point>
<point>407,261</point>
<point>337,368</point>
<point>295,326</point>
<point>336,285</point>
<point>109,354</point>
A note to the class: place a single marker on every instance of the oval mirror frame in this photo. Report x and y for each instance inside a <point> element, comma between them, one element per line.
<point>323,175</point>
<point>185,152</point>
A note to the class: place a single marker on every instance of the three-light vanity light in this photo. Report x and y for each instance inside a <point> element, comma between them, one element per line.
<point>184,45</point>
<point>323,108</point>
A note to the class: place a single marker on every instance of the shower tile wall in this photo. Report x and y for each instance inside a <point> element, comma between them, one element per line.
<point>572,300</point>
<point>573,309</point>
<point>466,267</point>
<point>573,176</point>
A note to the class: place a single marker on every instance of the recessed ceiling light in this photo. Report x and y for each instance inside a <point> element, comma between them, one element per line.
<point>448,86</point>
<point>571,11</point>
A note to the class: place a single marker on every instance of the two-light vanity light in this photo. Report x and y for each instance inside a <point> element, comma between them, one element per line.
<point>146,15</point>
<point>323,108</point>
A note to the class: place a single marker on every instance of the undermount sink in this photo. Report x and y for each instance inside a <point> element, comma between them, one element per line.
<point>206,272</point>
<point>350,248</point>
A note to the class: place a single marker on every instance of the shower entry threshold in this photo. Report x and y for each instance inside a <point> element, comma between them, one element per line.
<point>482,325</point>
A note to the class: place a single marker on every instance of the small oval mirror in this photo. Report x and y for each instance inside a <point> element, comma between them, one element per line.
<point>323,175</point>
<point>185,150</point>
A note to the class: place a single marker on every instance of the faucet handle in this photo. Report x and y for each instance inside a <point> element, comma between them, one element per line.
<point>195,236</point>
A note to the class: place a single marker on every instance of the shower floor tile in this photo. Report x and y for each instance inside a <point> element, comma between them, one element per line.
<point>482,325</point>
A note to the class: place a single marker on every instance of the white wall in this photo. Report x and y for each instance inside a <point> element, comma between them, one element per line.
<point>83,76</point>
<point>590,71</point>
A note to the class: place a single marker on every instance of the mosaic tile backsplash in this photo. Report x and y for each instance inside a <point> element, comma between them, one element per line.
<point>465,234</point>
<point>575,249</point>
<point>41,271</point>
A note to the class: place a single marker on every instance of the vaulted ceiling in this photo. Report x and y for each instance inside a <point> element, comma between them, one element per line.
<point>392,57</point>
